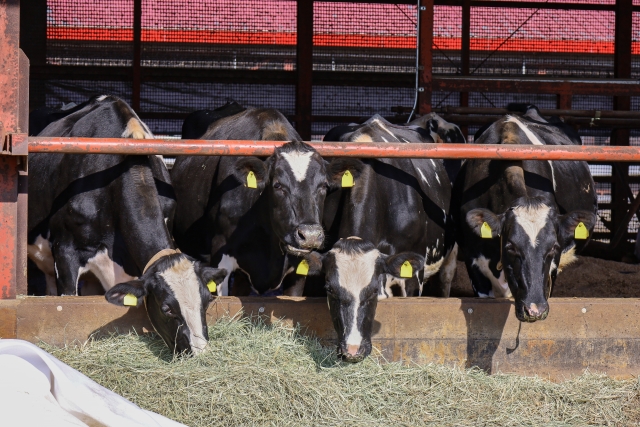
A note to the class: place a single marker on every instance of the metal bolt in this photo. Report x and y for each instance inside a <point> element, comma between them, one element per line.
<point>584,310</point>
<point>470,310</point>
<point>59,308</point>
<point>261,310</point>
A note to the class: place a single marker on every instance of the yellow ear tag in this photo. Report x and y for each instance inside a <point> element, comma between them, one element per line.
<point>303,268</point>
<point>485,231</point>
<point>347,179</point>
<point>212,286</point>
<point>130,300</point>
<point>581,232</point>
<point>406,270</point>
<point>252,182</point>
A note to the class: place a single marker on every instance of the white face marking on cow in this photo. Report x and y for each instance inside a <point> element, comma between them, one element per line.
<point>424,178</point>
<point>299,163</point>
<point>568,257</point>
<point>532,220</point>
<point>355,272</point>
<point>500,287</point>
<point>40,253</point>
<point>183,282</point>
<point>109,273</point>
<point>137,130</point>
<point>230,264</point>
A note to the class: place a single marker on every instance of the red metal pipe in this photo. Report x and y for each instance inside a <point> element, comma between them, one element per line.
<point>333,149</point>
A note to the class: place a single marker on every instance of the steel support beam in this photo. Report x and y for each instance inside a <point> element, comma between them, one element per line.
<point>425,57</point>
<point>465,53</point>
<point>304,67</point>
<point>13,119</point>
<point>137,55</point>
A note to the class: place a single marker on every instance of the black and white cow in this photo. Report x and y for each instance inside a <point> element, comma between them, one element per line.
<point>529,211</point>
<point>197,123</point>
<point>222,220</point>
<point>443,132</point>
<point>108,217</point>
<point>396,213</point>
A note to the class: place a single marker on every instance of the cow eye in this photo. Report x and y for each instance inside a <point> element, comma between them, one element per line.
<point>277,185</point>
<point>167,311</point>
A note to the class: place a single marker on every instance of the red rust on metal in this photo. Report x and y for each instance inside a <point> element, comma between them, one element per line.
<point>334,149</point>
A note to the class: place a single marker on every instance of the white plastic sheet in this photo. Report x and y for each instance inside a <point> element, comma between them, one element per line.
<point>36,389</point>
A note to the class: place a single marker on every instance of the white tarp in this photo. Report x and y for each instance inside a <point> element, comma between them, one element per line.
<point>36,389</point>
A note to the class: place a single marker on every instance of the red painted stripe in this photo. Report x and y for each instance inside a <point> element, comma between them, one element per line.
<point>334,40</point>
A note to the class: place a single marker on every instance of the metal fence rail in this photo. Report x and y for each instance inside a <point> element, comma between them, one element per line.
<point>174,147</point>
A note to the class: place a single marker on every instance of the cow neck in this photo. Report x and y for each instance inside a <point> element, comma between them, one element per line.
<point>141,220</point>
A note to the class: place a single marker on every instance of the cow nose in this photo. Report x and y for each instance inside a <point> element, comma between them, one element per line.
<point>309,236</point>
<point>537,311</point>
<point>352,350</point>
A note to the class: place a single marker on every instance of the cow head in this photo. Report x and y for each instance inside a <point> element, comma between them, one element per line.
<point>175,291</point>
<point>533,238</point>
<point>296,180</point>
<point>355,273</point>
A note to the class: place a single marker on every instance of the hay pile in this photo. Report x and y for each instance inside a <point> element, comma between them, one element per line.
<point>256,374</point>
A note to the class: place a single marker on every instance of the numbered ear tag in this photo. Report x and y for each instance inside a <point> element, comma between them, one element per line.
<point>485,231</point>
<point>347,179</point>
<point>303,268</point>
<point>406,270</point>
<point>252,182</point>
<point>212,286</point>
<point>130,300</point>
<point>581,232</point>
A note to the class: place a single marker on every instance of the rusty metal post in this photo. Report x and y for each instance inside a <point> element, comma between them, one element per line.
<point>137,53</point>
<point>13,116</point>
<point>425,58</point>
<point>465,52</point>
<point>622,69</point>
<point>304,65</point>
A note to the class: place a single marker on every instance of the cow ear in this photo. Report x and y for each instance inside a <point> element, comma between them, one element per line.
<point>571,229</point>
<point>404,265</point>
<point>251,172</point>
<point>210,274</point>
<point>314,264</point>
<point>476,219</point>
<point>122,293</point>
<point>337,168</point>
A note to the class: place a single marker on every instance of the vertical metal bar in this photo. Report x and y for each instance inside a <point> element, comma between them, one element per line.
<point>33,41</point>
<point>304,67</point>
<point>9,117</point>
<point>425,33</point>
<point>137,51</point>
<point>622,69</point>
<point>465,54</point>
<point>22,201</point>
<point>563,101</point>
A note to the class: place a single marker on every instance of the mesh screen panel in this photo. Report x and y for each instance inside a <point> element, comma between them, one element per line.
<point>58,92</point>
<point>635,45</point>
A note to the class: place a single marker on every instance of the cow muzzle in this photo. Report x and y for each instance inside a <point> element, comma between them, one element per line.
<point>309,236</point>
<point>532,312</point>
<point>354,353</point>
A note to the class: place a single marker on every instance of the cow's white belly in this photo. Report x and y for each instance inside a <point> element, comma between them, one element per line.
<point>109,272</point>
<point>40,253</point>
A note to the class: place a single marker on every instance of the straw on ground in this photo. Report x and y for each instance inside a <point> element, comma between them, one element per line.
<point>256,374</point>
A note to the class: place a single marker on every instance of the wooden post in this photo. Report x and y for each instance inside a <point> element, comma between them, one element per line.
<point>465,55</point>
<point>622,69</point>
<point>137,52</point>
<point>304,65</point>
<point>425,59</point>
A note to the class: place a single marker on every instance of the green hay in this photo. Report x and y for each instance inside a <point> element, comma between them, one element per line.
<point>255,374</point>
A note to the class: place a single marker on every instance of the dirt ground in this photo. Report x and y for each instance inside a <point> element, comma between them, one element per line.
<point>587,278</point>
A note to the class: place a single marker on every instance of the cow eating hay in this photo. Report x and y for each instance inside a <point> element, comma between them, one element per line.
<point>271,375</point>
